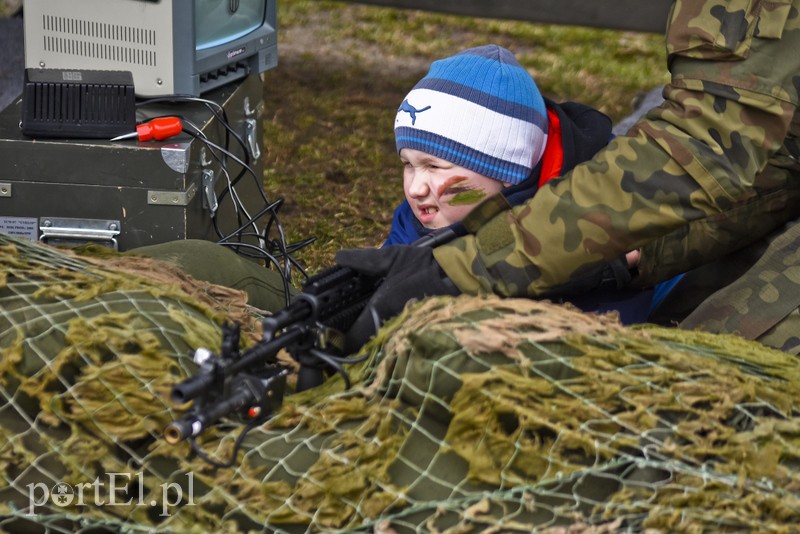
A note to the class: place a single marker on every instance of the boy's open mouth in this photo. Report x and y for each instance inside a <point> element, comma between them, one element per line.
<point>426,214</point>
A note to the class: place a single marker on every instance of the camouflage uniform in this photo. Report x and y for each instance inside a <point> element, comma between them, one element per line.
<point>709,171</point>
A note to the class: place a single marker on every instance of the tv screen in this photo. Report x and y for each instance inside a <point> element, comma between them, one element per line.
<point>216,24</point>
<point>172,47</point>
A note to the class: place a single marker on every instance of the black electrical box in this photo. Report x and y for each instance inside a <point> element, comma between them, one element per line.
<point>129,193</point>
<point>89,104</point>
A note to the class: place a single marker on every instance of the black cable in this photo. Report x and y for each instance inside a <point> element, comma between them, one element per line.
<point>245,166</point>
<point>271,207</point>
<point>286,280</point>
<point>200,135</point>
<point>237,206</point>
<point>234,453</point>
<point>218,111</point>
<point>233,183</point>
<point>274,251</point>
<point>332,362</point>
<point>342,360</point>
<point>290,249</point>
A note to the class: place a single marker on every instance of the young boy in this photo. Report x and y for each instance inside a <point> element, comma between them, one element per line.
<point>476,125</point>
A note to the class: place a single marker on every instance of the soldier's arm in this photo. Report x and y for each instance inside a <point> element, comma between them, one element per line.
<point>687,184</point>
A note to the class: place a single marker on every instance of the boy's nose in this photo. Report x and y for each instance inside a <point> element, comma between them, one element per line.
<point>419,187</point>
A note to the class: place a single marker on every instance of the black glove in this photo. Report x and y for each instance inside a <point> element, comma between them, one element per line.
<point>408,272</point>
<point>613,275</point>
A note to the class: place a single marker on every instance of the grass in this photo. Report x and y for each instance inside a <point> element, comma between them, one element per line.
<point>343,70</point>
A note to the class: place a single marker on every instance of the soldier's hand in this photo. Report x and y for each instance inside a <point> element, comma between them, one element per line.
<point>409,273</point>
<point>632,258</point>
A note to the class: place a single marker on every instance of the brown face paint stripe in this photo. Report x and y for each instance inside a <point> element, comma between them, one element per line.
<point>450,182</point>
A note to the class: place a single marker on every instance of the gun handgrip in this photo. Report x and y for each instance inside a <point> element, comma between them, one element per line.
<point>309,377</point>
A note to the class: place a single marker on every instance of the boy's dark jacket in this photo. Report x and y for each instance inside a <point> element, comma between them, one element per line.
<point>584,131</point>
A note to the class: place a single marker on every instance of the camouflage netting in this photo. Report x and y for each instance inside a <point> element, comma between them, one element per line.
<point>472,415</point>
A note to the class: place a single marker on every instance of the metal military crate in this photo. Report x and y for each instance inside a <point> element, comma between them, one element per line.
<point>128,194</point>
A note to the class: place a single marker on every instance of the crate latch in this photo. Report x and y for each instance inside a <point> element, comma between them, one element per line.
<point>209,191</point>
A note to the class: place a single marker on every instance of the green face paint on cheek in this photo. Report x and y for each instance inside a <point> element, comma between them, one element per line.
<point>464,198</point>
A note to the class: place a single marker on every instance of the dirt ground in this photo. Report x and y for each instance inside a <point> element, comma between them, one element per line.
<point>329,111</point>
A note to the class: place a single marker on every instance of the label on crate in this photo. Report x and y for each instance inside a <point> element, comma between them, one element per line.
<point>21,227</point>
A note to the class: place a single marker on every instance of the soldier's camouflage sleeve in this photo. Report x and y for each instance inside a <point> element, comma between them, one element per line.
<point>711,170</point>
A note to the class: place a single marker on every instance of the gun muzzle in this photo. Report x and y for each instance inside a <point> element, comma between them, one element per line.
<point>178,431</point>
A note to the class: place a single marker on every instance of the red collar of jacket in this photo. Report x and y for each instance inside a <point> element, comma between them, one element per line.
<point>553,157</point>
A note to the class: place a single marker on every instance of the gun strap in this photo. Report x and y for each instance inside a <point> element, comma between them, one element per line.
<point>760,298</point>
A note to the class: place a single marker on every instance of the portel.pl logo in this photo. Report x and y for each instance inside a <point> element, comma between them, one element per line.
<point>113,489</point>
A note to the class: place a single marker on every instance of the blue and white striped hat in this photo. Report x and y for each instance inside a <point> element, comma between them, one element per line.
<point>479,109</point>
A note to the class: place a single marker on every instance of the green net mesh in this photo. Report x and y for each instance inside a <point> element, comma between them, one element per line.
<point>470,415</point>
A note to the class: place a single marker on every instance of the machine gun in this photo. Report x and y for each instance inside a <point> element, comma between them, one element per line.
<point>251,384</point>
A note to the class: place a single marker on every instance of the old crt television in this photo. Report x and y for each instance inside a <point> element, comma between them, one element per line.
<point>172,47</point>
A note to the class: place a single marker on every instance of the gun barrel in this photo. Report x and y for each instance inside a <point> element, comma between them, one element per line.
<point>194,423</point>
<point>262,353</point>
<point>191,388</point>
<point>297,311</point>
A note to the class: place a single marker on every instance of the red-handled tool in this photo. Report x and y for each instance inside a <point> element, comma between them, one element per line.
<point>158,129</point>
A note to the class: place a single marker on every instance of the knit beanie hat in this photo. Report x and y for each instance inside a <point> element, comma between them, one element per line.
<point>479,109</point>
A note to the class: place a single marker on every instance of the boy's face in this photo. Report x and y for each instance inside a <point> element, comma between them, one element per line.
<point>441,193</point>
